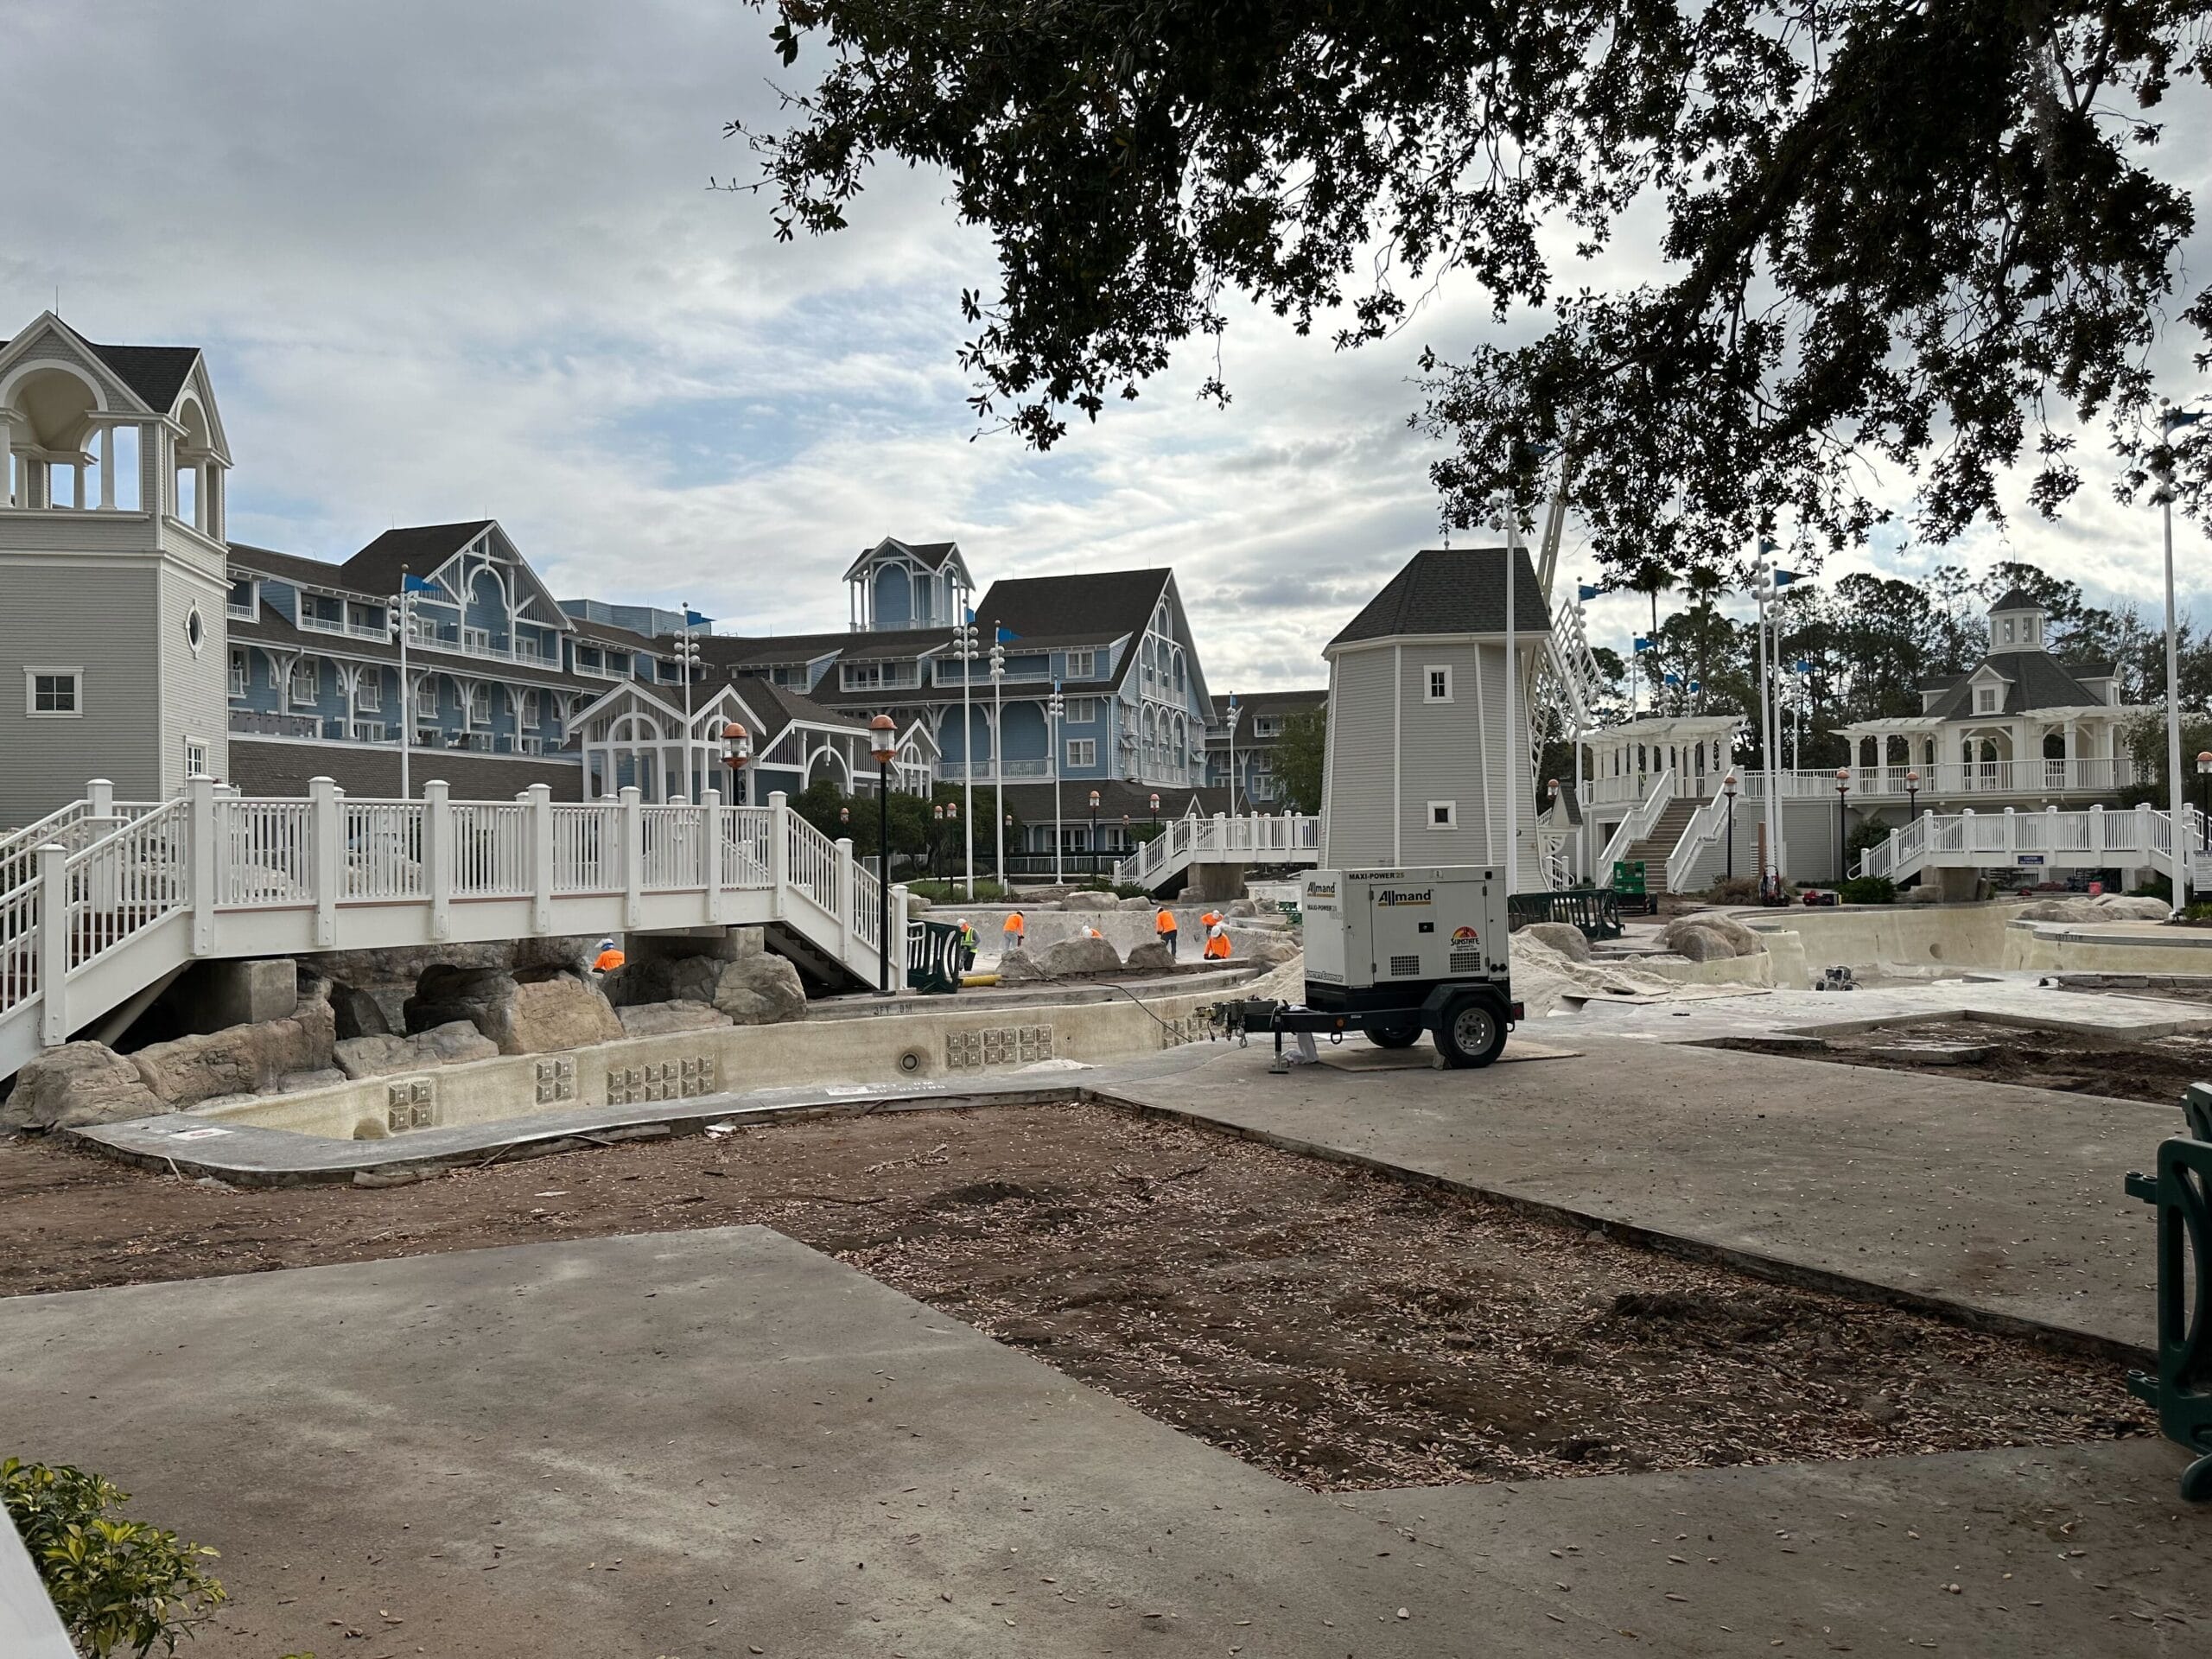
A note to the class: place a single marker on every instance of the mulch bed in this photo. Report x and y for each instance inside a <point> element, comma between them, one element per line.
<point>1334,1325</point>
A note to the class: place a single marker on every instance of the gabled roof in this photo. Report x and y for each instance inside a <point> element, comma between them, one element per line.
<point>780,707</point>
<point>612,634</point>
<point>1091,606</point>
<point>930,554</point>
<point>289,567</point>
<point>1451,590</point>
<point>420,547</point>
<point>2033,679</point>
<point>1940,681</point>
<point>734,651</point>
<point>2016,599</point>
<point>155,374</point>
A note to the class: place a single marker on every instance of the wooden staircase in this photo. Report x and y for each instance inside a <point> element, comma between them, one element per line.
<point>1656,847</point>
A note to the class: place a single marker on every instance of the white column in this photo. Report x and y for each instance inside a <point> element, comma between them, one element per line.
<point>848,898</point>
<point>7,457</point>
<point>540,799</point>
<point>327,847</point>
<point>201,791</point>
<point>437,856</point>
<point>710,852</point>
<point>107,468</point>
<point>779,825</point>
<point>633,855</point>
<point>54,944</point>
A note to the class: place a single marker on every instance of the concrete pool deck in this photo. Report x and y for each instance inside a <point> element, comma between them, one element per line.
<point>722,1443</point>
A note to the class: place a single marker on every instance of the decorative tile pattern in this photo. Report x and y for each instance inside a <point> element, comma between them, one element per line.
<point>412,1105</point>
<point>556,1080</point>
<point>661,1080</point>
<point>965,1050</point>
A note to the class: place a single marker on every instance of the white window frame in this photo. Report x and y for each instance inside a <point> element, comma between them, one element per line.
<point>529,708</point>
<point>1082,711</point>
<point>1442,815</point>
<point>426,697</point>
<point>479,722</point>
<point>250,611</point>
<point>1428,687</point>
<point>368,693</point>
<point>195,756</point>
<point>33,672</point>
<point>1985,699</point>
<point>241,672</point>
<point>292,697</point>
<point>1266,726</point>
<point>1081,752</point>
<point>478,640</point>
<point>2008,630</point>
<point>1082,665</point>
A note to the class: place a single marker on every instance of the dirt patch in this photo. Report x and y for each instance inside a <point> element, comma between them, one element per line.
<point>1337,1326</point>
<point>2156,1069</point>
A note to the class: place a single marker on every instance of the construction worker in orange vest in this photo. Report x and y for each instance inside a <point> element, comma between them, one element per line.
<point>1164,926</point>
<point>1217,936</point>
<point>608,958</point>
<point>1015,930</point>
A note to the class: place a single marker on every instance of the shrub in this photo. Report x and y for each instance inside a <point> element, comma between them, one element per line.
<point>121,1586</point>
<point>1868,890</point>
<point>954,892</point>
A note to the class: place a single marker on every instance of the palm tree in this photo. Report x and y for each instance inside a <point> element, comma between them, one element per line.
<point>1651,576</point>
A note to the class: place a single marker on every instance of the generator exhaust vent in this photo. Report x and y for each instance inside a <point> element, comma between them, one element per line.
<point>1405,967</point>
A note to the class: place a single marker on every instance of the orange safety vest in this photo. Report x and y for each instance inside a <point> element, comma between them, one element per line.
<point>1218,943</point>
<point>1165,922</point>
<point>607,961</point>
<point>1013,925</point>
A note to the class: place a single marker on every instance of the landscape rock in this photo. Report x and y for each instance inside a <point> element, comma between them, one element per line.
<point>293,1082</point>
<point>78,1084</point>
<point>1697,943</point>
<point>917,905</point>
<point>1071,957</point>
<point>1563,937</point>
<point>357,1013</point>
<point>242,1059</point>
<point>370,970</point>
<point>1136,901</point>
<point>2107,907</point>
<point>1150,957</point>
<point>1018,967</point>
<point>550,1014</point>
<point>658,1019</point>
<point>445,1044</point>
<point>1090,901</point>
<point>1269,950</point>
<point>1723,936</point>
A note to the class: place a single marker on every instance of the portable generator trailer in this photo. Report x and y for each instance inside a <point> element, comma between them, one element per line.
<point>1394,953</point>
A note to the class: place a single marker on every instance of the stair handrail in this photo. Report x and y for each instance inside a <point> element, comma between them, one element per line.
<point>1637,824</point>
<point>1707,826</point>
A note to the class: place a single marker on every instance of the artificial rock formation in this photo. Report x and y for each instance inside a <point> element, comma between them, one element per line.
<point>1563,937</point>
<point>1082,954</point>
<point>78,1084</point>
<point>658,1019</point>
<point>383,1056</point>
<point>547,1011</point>
<point>240,1060</point>
<point>1151,957</point>
<point>729,971</point>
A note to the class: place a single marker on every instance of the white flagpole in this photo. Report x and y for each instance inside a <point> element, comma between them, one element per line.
<point>406,691</point>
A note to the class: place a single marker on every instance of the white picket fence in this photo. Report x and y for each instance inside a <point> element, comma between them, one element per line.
<point>1253,838</point>
<point>105,899</point>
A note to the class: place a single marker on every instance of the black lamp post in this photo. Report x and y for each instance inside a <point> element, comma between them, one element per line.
<point>1842,789</point>
<point>2204,799</point>
<point>1155,808</point>
<point>883,746</point>
<point>1007,825</point>
<point>1094,832</point>
<point>936,813</point>
<point>737,749</point>
<point>1912,794</point>
<point>1728,792</point>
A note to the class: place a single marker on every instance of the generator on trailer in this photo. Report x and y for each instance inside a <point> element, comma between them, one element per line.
<point>1394,953</point>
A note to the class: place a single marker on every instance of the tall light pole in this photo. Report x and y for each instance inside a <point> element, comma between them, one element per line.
<point>998,743</point>
<point>1235,714</point>
<point>687,658</point>
<point>1763,590</point>
<point>1514,775</point>
<point>963,637</point>
<point>403,624</point>
<point>2171,421</point>
<point>1728,789</point>
<point>883,746</point>
<point>1053,706</point>
<point>737,749</point>
<point>1842,789</point>
<point>2204,800</point>
<point>1094,832</point>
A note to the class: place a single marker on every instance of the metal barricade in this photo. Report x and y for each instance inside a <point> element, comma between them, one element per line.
<point>1596,911</point>
<point>2181,1390</point>
<point>933,957</point>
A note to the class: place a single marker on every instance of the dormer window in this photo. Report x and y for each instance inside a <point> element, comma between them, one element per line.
<point>1985,696</point>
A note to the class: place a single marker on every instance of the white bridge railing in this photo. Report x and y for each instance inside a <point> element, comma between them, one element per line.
<point>2053,839</point>
<point>104,899</point>
<point>1255,838</point>
<point>1641,818</point>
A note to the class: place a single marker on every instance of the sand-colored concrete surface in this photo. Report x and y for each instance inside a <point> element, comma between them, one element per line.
<point>2003,1199</point>
<point>721,1443</point>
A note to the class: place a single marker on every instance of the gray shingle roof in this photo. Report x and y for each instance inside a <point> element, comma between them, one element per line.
<point>155,374</point>
<point>1451,590</point>
<point>420,548</point>
<point>2016,599</point>
<point>290,567</point>
<point>1099,606</point>
<point>2034,679</point>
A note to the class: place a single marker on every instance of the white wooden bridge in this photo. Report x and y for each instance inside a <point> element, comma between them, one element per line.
<point>2100,838</point>
<point>1285,838</point>
<point>104,902</point>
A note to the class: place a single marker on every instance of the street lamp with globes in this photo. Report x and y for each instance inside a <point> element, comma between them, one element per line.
<point>883,746</point>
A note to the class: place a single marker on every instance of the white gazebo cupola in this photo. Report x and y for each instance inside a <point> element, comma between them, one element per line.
<point>2018,622</point>
<point>898,585</point>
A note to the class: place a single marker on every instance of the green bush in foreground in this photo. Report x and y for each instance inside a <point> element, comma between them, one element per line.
<point>121,1586</point>
<point>1868,890</point>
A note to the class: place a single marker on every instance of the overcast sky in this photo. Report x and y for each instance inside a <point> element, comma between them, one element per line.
<point>459,260</point>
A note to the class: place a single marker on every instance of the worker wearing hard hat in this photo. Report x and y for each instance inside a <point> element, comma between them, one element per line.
<point>1164,926</point>
<point>1217,937</point>
<point>608,958</point>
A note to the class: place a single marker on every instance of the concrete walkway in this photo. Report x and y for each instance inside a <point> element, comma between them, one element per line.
<point>722,1443</point>
<point>1994,1199</point>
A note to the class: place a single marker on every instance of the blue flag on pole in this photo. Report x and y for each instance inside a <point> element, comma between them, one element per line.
<point>1783,578</point>
<point>1766,546</point>
<point>417,585</point>
<point>1800,666</point>
<point>1674,679</point>
<point>1640,642</point>
<point>1006,633</point>
<point>1695,688</point>
<point>695,619</point>
<point>1585,591</point>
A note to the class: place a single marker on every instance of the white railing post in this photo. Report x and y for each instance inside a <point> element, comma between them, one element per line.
<point>99,799</point>
<point>847,899</point>
<point>54,944</point>
<point>779,849</point>
<point>2012,831</point>
<point>540,798</point>
<point>711,854</point>
<point>634,857</point>
<point>1897,854</point>
<point>437,857</point>
<point>897,943</point>
<point>2144,841</point>
<point>204,889</point>
<point>326,848</point>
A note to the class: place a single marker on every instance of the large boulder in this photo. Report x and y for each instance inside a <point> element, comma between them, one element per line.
<point>659,1019</point>
<point>1090,901</point>
<point>1019,967</point>
<point>1150,957</point>
<point>1562,936</point>
<point>1268,951</point>
<point>78,1084</point>
<point>357,1013</point>
<point>1136,901</point>
<point>549,1010</point>
<point>381,1057</point>
<point>2107,907</point>
<point>1070,958</point>
<point>1708,936</point>
<point>241,1061</point>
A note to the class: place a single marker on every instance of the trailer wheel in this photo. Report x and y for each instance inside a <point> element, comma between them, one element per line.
<point>1403,1036</point>
<point>1470,1033</point>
